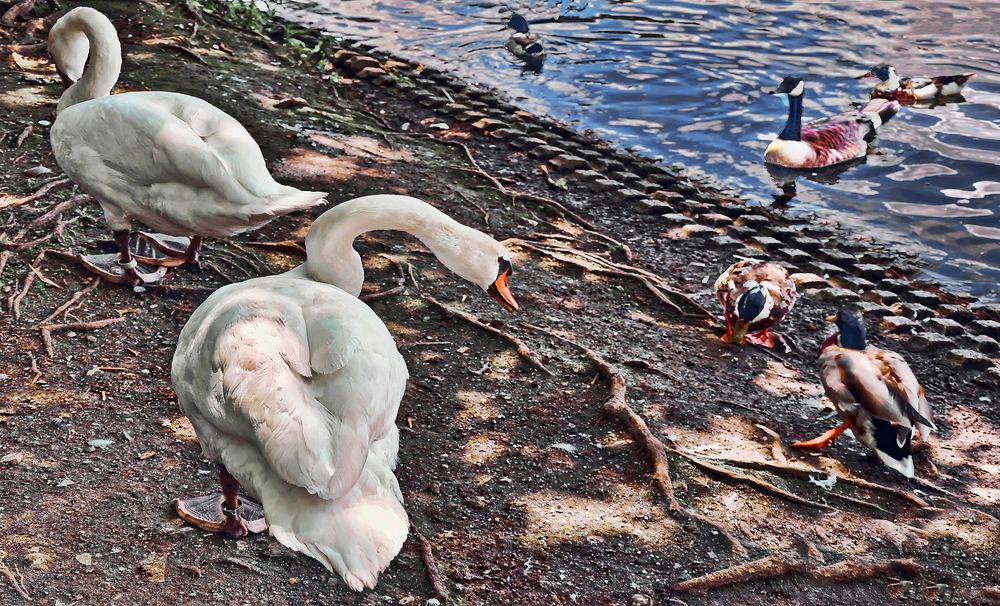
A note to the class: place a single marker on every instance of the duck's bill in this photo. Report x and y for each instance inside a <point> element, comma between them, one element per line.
<point>831,318</point>
<point>864,75</point>
<point>740,329</point>
<point>501,292</point>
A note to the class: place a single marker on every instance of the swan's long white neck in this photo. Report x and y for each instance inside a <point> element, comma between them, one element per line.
<point>83,34</point>
<point>331,257</point>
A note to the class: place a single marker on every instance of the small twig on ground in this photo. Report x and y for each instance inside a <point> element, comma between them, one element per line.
<point>35,373</point>
<point>14,301</point>
<point>21,138</point>
<point>522,348</point>
<point>770,352</point>
<point>242,564</point>
<point>14,576</point>
<point>382,294</point>
<point>72,300</point>
<point>433,575</point>
<point>291,246</point>
<point>486,213</point>
<point>616,407</point>
<point>219,271</point>
<point>184,51</point>
<point>48,329</point>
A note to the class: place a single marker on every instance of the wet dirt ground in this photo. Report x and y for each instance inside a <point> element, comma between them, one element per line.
<point>527,493</point>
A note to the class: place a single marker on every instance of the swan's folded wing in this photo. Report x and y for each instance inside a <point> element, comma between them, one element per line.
<point>264,368</point>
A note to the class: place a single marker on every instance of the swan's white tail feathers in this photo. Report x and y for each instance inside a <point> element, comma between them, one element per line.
<point>290,200</point>
<point>357,541</point>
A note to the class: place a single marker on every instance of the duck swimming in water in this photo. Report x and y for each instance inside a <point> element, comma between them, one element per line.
<point>874,392</point>
<point>522,43</point>
<point>827,141</point>
<point>915,90</point>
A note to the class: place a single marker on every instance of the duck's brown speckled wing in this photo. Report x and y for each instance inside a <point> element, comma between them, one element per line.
<point>875,382</point>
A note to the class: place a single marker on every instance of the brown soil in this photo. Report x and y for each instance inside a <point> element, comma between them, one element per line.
<point>526,493</point>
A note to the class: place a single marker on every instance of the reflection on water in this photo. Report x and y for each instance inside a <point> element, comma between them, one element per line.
<point>684,81</point>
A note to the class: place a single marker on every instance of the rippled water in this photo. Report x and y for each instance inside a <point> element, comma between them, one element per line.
<point>684,81</point>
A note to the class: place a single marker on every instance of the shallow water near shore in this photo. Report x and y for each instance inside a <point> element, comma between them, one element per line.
<point>685,82</point>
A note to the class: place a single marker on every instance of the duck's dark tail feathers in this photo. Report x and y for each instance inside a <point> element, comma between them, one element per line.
<point>892,445</point>
<point>878,112</point>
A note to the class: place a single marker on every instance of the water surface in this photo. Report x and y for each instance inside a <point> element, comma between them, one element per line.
<point>685,82</point>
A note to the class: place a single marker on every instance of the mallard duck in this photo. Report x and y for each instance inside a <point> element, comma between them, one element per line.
<point>176,163</point>
<point>874,392</point>
<point>522,43</point>
<point>292,385</point>
<point>914,90</point>
<point>755,295</point>
<point>827,141</point>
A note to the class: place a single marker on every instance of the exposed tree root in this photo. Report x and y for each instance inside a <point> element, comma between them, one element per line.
<point>750,480</point>
<point>801,471</point>
<point>522,348</point>
<point>497,185</point>
<point>18,10</point>
<point>779,565</point>
<point>433,575</point>
<point>616,407</point>
<point>765,568</point>
<point>68,305</point>
<point>39,194</point>
<point>14,576</point>
<point>4,256</point>
<point>48,329</point>
<point>14,301</point>
<point>595,264</point>
<point>64,206</point>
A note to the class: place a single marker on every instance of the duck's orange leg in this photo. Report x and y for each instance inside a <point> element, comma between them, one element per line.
<point>822,440</point>
<point>762,338</point>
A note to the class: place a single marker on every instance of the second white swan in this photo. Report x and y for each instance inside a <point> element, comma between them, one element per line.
<point>293,384</point>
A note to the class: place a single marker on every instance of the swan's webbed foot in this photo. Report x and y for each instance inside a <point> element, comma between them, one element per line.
<point>165,251</point>
<point>110,268</point>
<point>210,514</point>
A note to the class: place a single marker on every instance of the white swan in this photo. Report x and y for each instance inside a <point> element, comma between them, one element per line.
<point>176,163</point>
<point>293,384</point>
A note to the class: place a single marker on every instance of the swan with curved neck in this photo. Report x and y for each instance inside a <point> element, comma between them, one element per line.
<point>293,385</point>
<point>176,163</point>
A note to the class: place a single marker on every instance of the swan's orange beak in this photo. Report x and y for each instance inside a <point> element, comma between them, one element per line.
<point>66,82</point>
<point>501,292</point>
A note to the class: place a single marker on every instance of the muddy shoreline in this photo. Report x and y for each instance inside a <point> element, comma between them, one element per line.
<point>526,492</point>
